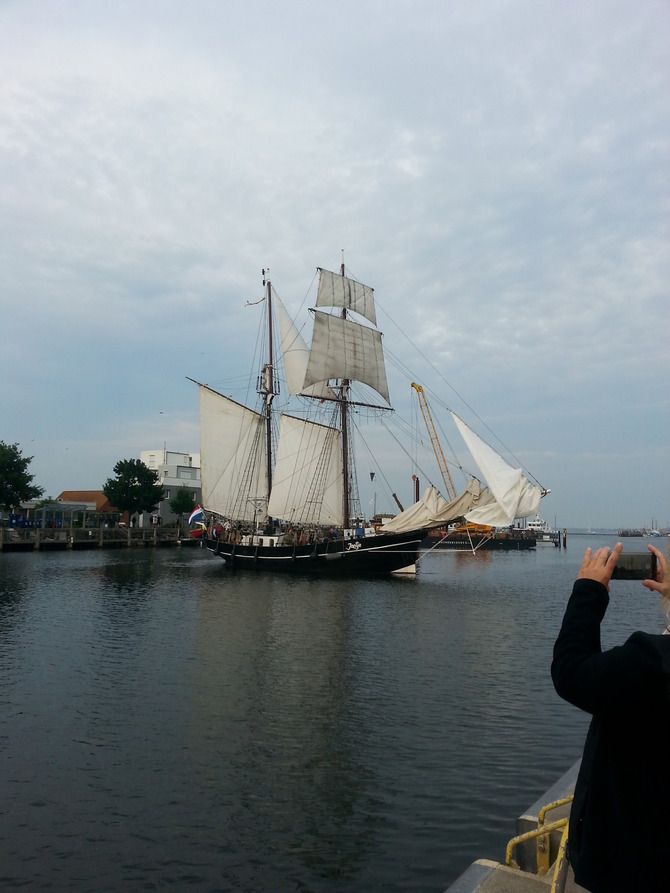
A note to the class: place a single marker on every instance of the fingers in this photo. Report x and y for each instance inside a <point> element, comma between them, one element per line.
<point>661,562</point>
<point>662,582</point>
<point>605,557</point>
<point>586,561</point>
<point>599,565</point>
<point>614,557</point>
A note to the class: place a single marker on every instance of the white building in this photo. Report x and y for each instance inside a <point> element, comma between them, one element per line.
<point>175,470</point>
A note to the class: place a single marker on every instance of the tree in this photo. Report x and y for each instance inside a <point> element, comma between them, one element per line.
<point>135,488</point>
<point>182,503</point>
<point>16,485</point>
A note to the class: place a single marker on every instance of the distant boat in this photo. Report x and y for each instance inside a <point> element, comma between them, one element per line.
<point>640,531</point>
<point>279,488</point>
<point>541,530</point>
<point>474,538</point>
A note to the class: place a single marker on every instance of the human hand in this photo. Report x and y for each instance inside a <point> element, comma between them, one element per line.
<point>662,582</point>
<point>599,565</point>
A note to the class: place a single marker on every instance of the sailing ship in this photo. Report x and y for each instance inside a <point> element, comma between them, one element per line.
<point>283,497</point>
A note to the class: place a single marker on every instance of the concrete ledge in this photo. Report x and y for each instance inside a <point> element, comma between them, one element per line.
<point>473,877</point>
<point>485,876</point>
<point>490,877</point>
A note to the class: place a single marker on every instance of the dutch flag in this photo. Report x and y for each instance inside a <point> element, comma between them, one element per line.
<point>195,514</point>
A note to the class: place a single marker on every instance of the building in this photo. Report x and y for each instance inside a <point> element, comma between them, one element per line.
<point>73,508</point>
<point>174,470</point>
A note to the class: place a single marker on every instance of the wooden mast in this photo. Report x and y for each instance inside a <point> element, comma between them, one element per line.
<point>346,521</point>
<point>267,388</point>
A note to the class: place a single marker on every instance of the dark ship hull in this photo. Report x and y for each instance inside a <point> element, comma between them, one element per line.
<point>381,554</point>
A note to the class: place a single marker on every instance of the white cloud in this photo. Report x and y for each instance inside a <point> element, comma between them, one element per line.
<point>496,170</point>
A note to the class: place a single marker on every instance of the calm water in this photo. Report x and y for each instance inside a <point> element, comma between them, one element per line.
<point>168,725</point>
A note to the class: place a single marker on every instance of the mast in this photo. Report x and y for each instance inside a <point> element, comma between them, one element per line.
<point>266,387</point>
<point>344,421</point>
<point>343,351</point>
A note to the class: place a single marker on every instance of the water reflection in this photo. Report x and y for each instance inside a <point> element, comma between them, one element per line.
<point>130,573</point>
<point>167,723</point>
<point>273,709</point>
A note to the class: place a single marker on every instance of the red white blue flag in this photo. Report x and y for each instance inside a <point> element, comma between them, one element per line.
<point>195,514</point>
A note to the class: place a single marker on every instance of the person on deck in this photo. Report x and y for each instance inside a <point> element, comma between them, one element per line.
<point>620,816</point>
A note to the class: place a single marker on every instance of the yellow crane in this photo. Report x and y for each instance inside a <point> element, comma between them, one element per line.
<point>435,441</point>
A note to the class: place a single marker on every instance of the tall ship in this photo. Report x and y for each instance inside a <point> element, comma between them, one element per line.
<point>279,486</point>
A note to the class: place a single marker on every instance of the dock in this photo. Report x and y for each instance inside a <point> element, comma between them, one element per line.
<point>535,860</point>
<point>55,539</point>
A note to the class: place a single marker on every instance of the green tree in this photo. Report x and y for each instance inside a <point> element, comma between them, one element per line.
<point>182,503</point>
<point>16,485</point>
<point>135,487</point>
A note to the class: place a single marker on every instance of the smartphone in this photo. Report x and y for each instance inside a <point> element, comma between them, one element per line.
<point>635,566</point>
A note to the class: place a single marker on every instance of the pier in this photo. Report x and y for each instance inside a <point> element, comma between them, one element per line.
<point>535,860</point>
<point>53,539</point>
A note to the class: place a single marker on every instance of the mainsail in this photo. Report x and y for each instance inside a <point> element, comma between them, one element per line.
<point>232,450</point>
<point>307,481</point>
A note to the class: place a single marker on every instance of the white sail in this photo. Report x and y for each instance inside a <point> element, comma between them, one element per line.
<point>233,457</point>
<point>336,290</point>
<point>344,349</point>
<point>433,510</point>
<point>307,480</point>
<point>295,354</point>
<point>515,496</point>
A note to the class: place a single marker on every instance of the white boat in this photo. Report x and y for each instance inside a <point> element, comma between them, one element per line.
<point>541,530</point>
<point>280,488</point>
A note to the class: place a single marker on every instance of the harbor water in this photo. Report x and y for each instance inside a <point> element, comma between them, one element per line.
<point>166,724</point>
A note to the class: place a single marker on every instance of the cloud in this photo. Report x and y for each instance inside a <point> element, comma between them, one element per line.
<point>496,170</point>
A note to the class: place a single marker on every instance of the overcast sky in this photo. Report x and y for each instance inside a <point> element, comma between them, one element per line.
<point>496,169</point>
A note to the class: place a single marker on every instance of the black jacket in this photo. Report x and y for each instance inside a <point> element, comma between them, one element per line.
<point>620,817</point>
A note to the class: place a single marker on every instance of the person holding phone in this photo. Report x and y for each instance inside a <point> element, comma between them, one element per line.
<point>620,815</point>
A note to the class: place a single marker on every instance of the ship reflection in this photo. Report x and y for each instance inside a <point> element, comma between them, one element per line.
<point>273,734</point>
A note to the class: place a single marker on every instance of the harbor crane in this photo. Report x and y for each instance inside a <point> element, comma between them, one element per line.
<point>435,441</point>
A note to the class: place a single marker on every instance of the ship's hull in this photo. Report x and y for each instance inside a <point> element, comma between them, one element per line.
<point>380,554</point>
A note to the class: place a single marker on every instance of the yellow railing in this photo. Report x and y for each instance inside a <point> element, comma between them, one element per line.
<point>542,835</point>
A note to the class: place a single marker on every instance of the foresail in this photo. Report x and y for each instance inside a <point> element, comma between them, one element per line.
<point>233,458</point>
<point>295,355</point>
<point>307,480</point>
<point>336,290</point>
<point>343,349</point>
<point>515,496</point>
